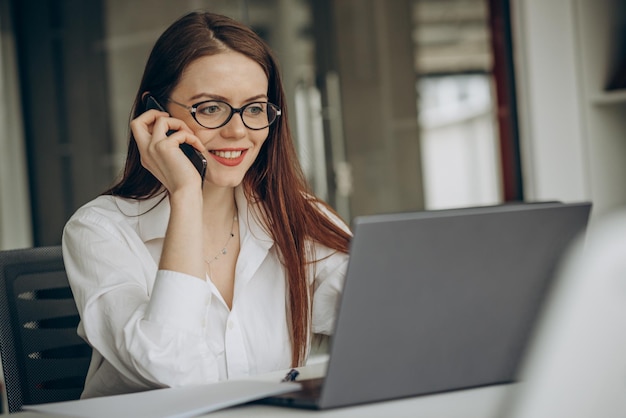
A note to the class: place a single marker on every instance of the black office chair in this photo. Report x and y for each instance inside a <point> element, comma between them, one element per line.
<point>43,358</point>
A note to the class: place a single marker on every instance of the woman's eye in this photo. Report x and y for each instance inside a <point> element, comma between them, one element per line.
<point>255,109</point>
<point>210,109</point>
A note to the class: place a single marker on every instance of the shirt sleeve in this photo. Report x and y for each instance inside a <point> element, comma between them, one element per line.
<point>148,324</point>
<point>329,272</point>
<point>328,283</point>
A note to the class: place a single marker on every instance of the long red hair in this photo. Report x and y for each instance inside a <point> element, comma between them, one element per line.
<point>275,180</point>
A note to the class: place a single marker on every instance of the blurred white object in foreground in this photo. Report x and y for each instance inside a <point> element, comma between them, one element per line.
<point>576,366</point>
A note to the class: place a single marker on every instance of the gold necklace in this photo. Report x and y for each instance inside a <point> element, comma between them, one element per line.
<point>223,251</point>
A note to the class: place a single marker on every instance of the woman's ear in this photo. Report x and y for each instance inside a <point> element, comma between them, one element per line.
<point>144,96</point>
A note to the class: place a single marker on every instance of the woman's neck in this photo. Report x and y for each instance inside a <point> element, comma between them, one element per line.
<point>219,205</point>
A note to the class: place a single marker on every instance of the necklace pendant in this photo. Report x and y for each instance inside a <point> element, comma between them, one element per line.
<point>224,251</point>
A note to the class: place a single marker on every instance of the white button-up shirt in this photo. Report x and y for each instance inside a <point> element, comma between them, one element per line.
<point>154,328</point>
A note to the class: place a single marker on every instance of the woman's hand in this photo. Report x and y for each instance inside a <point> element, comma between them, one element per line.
<point>161,154</point>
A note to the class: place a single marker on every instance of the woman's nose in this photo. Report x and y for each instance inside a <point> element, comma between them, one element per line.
<point>235,127</point>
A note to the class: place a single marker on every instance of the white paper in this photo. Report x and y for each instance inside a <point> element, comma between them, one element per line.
<point>170,402</point>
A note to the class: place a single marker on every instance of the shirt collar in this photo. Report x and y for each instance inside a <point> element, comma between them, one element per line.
<point>252,220</point>
<point>154,214</point>
<point>153,217</point>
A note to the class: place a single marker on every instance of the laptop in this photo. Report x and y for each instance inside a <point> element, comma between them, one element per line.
<point>441,300</point>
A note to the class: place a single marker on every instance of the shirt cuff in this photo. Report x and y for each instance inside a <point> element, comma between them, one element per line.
<point>179,299</point>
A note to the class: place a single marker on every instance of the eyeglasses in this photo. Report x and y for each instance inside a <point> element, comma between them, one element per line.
<point>213,114</point>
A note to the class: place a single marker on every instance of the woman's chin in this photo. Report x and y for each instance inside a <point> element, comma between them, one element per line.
<point>222,183</point>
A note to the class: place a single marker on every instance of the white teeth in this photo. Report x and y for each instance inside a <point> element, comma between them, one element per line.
<point>227,154</point>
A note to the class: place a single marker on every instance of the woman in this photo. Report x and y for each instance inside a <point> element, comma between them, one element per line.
<point>181,280</point>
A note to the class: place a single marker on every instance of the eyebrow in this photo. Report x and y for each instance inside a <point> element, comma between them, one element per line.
<point>222,98</point>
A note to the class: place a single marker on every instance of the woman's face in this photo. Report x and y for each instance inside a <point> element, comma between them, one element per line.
<point>233,78</point>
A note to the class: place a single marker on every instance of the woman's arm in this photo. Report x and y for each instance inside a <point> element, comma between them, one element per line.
<point>149,323</point>
<point>161,155</point>
<point>330,274</point>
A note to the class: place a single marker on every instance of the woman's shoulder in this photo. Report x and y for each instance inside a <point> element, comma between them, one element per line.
<point>115,209</point>
<point>327,211</point>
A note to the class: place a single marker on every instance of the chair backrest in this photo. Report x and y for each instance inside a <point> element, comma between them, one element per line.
<point>43,358</point>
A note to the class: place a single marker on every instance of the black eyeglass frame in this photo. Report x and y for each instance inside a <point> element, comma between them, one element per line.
<point>193,110</point>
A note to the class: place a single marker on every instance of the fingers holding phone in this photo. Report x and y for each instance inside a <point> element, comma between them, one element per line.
<point>156,135</point>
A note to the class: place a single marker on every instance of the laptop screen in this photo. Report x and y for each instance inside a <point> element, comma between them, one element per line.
<point>442,300</point>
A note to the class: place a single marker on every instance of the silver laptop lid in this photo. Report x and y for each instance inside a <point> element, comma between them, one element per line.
<point>443,300</point>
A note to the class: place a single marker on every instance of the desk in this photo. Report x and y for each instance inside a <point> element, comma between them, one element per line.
<point>471,403</point>
<point>482,402</point>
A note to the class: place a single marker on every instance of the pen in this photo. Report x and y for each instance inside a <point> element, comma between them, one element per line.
<point>291,375</point>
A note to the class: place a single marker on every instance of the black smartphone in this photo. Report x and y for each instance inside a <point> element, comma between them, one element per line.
<point>196,157</point>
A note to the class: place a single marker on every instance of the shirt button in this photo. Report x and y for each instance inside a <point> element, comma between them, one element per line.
<point>230,325</point>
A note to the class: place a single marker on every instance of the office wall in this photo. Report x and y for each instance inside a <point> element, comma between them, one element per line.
<point>549,101</point>
<point>15,219</point>
<point>365,46</point>
<point>572,124</point>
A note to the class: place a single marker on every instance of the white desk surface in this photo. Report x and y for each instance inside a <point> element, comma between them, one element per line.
<point>482,402</point>
<point>471,403</point>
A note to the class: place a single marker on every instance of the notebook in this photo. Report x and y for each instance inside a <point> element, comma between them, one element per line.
<point>439,300</point>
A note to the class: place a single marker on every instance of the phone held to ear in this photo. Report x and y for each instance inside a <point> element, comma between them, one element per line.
<point>193,154</point>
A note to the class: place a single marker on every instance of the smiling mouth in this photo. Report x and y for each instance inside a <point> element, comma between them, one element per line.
<point>227,154</point>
